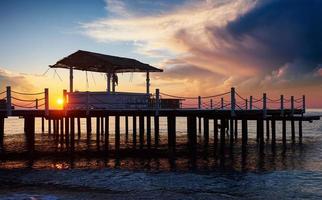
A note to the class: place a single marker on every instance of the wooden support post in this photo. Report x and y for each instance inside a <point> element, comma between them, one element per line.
<point>134,131</point>
<point>273,133</point>
<point>199,124</point>
<point>1,133</point>
<point>126,128</point>
<point>231,130</point>
<point>147,83</point>
<point>267,129</point>
<point>67,131</point>
<point>49,126</point>
<point>148,130</point>
<point>300,131</point>
<point>282,105</point>
<point>89,125</point>
<point>102,126</point>
<point>72,134</point>
<point>62,132</point>
<point>215,134</point>
<point>98,128</point>
<point>141,129</point>
<point>30,133</point>
<point>192,133</point>
<point>107,133</point>
<point>293,130</point>
<point>260,130</point>
<point>117,133</point>
<point>222,136</point>
<point>78,128</point>
<point>156,131</point>
<point>171,134</point>
<point>236,129</point>
<point>206,131</point>
<point>284,132</point>
<point>292,105</point>
<point>211,104</point>
<point>42,124</point>
<point>244,134</point>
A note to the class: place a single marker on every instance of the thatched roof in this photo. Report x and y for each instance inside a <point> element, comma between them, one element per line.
<point>95,62</point>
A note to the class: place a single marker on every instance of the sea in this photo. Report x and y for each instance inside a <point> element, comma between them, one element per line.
<point>53,172</point>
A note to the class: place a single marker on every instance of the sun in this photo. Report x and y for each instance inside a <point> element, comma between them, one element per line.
<point>60,101</point>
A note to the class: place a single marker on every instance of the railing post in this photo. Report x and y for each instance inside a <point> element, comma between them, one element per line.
<point>232,101</point>
<point>46,102</point>
<point>250,102</point>
<point>303,104</point>
<point>157,101</point>
<point>9,108</point>
<point>211,104</point>
<point>246,104</point>
<point>282,105</point>
<point>222,103</point>
<point>199,102</point>
<point>292,105</point>
<point>264,105</point>
<point>36,104</point>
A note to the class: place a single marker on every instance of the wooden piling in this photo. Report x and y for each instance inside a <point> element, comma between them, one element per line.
<point>244,134</point>
<point>141,131</point>
<point>273,133</point>
<point>88,125</point>
<point>231,130</point>
<point>42,124</point>
<point>236,129</point>
<point>222,136</point>
<point>300,131</point>
<point>215,134</point>
<point>206,131</point>
<point>61,131</point>
<point>78,128</point>
<point>72,134</point>
<point>67,131</point>
<point>267,129</point>
<point>126,128</point>
<point>260,132</point>
<point>134,130</point>
<point>107,133</point>
<point>98,127</point>
<point>293,130</point>
<point>156,131</point>
<point>30,133</point>
<point>148,131</point>
<point>171,134</point>
<point>49,126</point>
<point>1,133</point>
<point>192,133</point>
<point>117,133</point>
<point>284,132</point>
<point>102,126</point>
<point>199,124</point>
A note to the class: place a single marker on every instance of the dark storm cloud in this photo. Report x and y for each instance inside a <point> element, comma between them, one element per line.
<point>282,32</point>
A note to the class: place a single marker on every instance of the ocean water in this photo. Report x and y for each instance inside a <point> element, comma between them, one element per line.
<point>90,173</point>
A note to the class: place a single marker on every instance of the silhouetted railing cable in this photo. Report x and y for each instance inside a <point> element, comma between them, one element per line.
<point>23,93</point>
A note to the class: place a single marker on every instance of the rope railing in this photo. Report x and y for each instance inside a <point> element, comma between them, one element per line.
<point>23,93</point>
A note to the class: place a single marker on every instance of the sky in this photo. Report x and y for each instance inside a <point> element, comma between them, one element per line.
<point>204,46</point>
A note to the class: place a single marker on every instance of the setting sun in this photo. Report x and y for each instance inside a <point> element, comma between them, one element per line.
<point>60,101</point>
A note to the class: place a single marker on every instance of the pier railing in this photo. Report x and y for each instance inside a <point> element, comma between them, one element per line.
<point>232,100</point>
<point>229,100</point>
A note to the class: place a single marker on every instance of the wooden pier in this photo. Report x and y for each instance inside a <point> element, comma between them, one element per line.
<point>64,124</point>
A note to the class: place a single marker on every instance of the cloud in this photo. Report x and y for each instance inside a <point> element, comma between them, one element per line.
<point>18,82</point>
<point>253,45</point>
